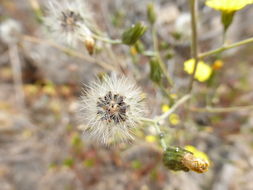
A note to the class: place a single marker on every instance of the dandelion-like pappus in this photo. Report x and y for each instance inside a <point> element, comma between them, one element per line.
<point>70,22</point>
<point>111,109</point>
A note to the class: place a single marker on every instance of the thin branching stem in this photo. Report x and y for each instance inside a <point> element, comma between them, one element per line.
<point>158,131</point>
<point>194,43</point>
<point>156,121</point>
<point>161,136</point>
<point>225,47</point>
<point>173,108</point>
<point>222,109</point>
<point>107,40</point>
<point>69,51</point>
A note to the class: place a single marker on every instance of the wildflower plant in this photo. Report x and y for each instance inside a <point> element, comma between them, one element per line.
<point>112,108</point>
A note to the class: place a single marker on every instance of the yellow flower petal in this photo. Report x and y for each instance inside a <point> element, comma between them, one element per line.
<point>228,5</point>
<point>203,71</point>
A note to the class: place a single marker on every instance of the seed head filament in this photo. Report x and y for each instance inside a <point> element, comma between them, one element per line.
<point>112,108</point>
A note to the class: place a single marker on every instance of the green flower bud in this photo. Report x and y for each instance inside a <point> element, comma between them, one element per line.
<point>172,158</point>
<point>151,13</point>
<point>179,159</point>
<point>227,19</point>
<point>155,70</point>
<point>132,34</point>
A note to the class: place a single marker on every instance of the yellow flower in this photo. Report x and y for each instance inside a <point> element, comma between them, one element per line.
<point>150,138</point>
<point>228,5</point>
<point>218,64</point>
<point>203,71</point>
<point>165,108</point>
<point>174,119</point>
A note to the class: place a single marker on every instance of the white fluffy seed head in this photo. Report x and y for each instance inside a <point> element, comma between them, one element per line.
<point>69,21</point>
<point>111,109</point>
<point>10,31</point>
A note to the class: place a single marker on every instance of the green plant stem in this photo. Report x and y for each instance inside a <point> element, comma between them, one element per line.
<point>194,43</point>
<point>161,136</point>
<point>221,109</point>
<point>173,108</point>
<point>107,40</point>
<point>158,130</point>
<point>225,47</point>
<point>162,117</point>
<point>160,61</point>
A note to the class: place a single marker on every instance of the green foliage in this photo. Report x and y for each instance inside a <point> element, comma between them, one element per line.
<point>89,163</point>
<point>69,162</point>
<point>155,70</point>
<point>136,164</point>
<point>132,34</point>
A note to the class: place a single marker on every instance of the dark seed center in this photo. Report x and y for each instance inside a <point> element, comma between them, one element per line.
<point>69,20</point>
<point>112,108</point>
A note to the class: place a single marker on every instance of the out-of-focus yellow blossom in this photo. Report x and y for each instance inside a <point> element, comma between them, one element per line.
<point>173,96</point>
<point>203,71</point>
<point>133,50</point>
<point>150,138</point>
<point>228,5</point>
<point>196,152</point>
<point>165,108</point>
<point>218,64</point>
<point>49,89</point>
<point>31,89</point>
<point>174,119</point>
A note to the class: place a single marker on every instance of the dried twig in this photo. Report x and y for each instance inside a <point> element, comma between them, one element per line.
<point>70,52</point>
<point>17,75</point>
